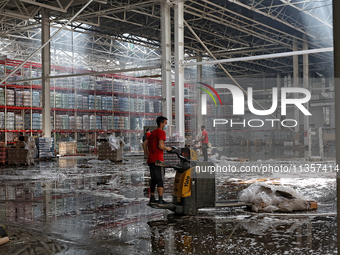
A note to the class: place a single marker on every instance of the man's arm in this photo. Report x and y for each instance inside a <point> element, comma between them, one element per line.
<point>146,148</point>
<point>161,146</point>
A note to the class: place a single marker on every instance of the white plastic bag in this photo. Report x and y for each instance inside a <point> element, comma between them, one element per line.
<point>269,198</point>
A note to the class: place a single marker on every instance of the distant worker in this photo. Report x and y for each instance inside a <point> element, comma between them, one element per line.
<point>147,134</point>
<point>153,149</point>
<point>21,137</point>
<point>205,141</point>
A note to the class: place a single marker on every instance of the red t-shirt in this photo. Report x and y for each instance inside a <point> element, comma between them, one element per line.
<point>155,152</point>
<point>206,139</point>
<point>148,134</point>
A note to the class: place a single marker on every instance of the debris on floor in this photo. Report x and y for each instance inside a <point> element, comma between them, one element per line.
<point>269,198</point>
<point>27,241</point>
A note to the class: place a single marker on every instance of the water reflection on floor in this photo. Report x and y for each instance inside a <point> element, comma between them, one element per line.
<point>102,210</point>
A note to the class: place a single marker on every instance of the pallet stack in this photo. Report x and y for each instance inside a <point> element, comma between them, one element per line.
<point>68,148</point>
<point>105,152</point>
<point>46,147</point>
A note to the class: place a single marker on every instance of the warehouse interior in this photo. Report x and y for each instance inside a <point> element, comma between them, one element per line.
<point>82,80</point>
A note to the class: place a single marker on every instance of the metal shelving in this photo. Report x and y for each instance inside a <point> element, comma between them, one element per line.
<point>108,87</point>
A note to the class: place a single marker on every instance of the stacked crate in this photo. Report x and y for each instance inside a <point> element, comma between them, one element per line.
<point>10,121</point>
<point>98,122</point>
<point>98,103</point>
<point>27,120</point>
<point>104,123</point>
<point>18,98</point>
<point>110,122</point>
<point>132,104</point>
<point>58,100</point>
<point>10,97</point>
<point>126,123</point>
<point>92,122</point>
<point>2,120</point>
<point>35,99</point>
<point>66,125</point>
<point>67,148</point>
<point>59,122</point>
<point>79,122</point>
<point>116,122</point>
<point>37,121</point>
<point>52,99</point>
<point>72,122</point>
<point>91,102</point>
<point>86,122</point>
<point>109,103</point>
<point>46,147</point>
<point>64,101</point>
<point>79,102</point>
<point>157,106</point>
<point>27,98</point>
<point>92,81</point>
<point>116,104</point>
<point>2,96</point>
<point>71,101</point>
<point>85,102</point>
<point>19,122</point>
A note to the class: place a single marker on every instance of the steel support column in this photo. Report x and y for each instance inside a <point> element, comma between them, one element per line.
<point>296,84</point>
<point>45,61</point>
<point>336,36</point>
<point>199,94</point>
<point>179,68</point>
<point>166,62</point>
<point>306,85</point>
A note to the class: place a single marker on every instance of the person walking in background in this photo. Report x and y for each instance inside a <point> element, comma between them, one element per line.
<point>147,134</point>
<point>153,149</point>
<point>205,141</point>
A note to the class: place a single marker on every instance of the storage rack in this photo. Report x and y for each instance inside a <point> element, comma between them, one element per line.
<point>113,103</point>
<point>91,106</point>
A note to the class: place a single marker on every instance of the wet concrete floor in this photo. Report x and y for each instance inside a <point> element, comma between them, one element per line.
<point>61,207</point>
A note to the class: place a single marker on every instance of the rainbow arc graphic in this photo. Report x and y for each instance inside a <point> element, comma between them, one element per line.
<point>209,93</point>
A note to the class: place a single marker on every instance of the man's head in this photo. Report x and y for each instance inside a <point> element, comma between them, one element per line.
<point>202,127</point>
<point>148,130</point>
<point>161,122</point>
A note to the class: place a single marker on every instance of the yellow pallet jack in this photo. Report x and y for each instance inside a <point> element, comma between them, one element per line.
<point>192,189</point>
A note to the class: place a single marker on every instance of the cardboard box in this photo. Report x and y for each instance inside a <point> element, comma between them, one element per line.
<point>105,152</point>
<point>68,148</point>
<point>17,156</point>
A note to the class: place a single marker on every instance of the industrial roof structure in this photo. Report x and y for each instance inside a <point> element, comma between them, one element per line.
<point>230,29</point>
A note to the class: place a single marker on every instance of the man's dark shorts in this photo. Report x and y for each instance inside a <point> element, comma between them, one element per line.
<point>157,175</point>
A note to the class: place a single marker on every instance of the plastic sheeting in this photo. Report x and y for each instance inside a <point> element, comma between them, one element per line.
<point>269,198</point>
<point>115,142</point>
<point>31,147</point>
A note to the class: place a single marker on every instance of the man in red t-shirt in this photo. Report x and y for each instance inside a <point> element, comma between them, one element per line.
<point>205,141</point>
<point>148,133</point>
<point>153,149</point>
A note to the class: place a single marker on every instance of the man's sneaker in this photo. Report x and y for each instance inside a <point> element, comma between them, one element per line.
<point>161,202</point>
<point>153,201</point>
